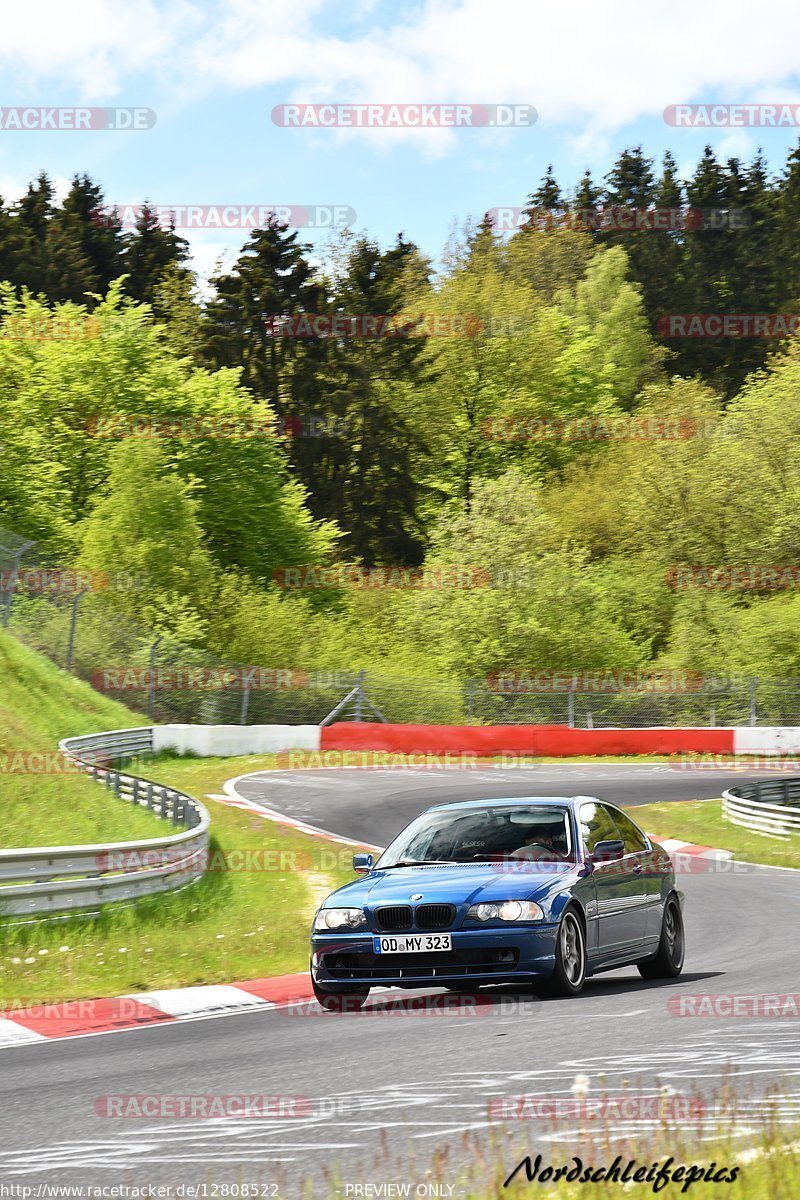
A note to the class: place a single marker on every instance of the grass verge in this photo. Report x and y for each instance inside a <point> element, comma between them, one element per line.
<point>752,1158</point>
<point>44,801</point>
<point>702,821</point>
<point>248,917</point>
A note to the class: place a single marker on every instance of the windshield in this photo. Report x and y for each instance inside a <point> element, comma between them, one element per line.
<point>527,832</point>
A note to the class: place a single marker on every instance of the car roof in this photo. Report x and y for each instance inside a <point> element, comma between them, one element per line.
<point>504,801</point>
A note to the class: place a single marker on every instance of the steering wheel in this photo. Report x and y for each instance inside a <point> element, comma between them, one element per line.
<point>523,851</point>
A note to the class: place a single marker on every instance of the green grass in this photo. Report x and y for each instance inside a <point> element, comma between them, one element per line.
<point>234,924</point>
<point>764,1153</point>
<point>702,821</point>
<point>42,801</point>
<point>767,1167</point>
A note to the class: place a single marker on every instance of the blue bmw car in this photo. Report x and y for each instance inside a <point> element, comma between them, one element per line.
<point>538,892</point>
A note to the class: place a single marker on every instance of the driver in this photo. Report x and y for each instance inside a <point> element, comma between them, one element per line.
<point>538,844</point>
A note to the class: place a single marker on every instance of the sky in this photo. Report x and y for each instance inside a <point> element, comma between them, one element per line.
<point>598,76</point>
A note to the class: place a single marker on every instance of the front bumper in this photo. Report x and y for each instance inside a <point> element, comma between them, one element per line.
<point>513,954</point>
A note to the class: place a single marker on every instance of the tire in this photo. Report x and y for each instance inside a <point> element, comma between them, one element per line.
<point>342,1001</point>
<point>569,975</point>
<point>668,962</point>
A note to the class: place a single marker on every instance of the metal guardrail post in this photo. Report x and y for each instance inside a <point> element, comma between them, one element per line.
<point>12,582</point>
<point>571,704</point>
<point>753,683</point>
<point>151,689</point>
<point>72,623</point>
<point>359,695</point>
<point>245,698</point>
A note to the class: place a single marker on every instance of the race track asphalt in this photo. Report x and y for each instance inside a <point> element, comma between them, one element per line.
<point>388,1095</point>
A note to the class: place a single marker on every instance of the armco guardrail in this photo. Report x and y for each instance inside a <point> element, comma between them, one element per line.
<point>771,807</point>
<point>61,879</point>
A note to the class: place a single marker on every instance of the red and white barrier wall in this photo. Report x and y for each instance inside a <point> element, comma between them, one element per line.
<point>766,739</point>
<point>225,740</point>
<point>557,741</point>
<point>551,740</point>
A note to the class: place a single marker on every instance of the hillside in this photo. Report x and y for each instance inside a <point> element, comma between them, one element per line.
<point>42,801</point>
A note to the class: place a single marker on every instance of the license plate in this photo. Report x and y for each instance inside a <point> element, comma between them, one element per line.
<point>412,943</point>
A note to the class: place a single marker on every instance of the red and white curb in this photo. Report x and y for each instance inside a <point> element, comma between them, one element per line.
<point>77,1018</point>
<point>677,850</point>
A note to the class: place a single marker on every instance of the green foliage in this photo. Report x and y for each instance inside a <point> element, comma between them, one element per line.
<point>455,443</point>
<point>145,526</point>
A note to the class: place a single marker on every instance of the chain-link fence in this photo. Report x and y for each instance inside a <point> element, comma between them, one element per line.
<point>66,615</point>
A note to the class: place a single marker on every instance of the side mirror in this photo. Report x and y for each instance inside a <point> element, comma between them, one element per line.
<point>608,851</point>
<point>362,863</point>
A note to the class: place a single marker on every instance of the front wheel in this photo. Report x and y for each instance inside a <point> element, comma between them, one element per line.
<point>570,972</point>
<point>343,1001</point>
<point>668,962</point>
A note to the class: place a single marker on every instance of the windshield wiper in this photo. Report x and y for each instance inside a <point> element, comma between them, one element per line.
<point>416,862</point>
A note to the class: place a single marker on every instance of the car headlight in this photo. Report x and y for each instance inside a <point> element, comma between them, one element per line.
<point>340,918</point>
<point>507,910</point>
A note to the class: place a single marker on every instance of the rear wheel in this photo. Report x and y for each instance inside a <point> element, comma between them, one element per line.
<point>570,972</point>
<point>669,961</point>
<point>342,1000</point>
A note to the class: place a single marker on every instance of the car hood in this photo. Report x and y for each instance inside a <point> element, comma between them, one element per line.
<point>457,884</point>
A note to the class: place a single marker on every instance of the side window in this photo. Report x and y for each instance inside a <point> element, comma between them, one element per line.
<point>596,826</point>
<point>631,836</point>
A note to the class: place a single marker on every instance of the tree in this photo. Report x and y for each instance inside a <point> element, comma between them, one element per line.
<point>145,526</point>
<point>152,253</point>
<point>535,604</point>
<point>546,199</point>
<point>272,279</point>
<point>369,474</point>
<point>97,231</point>
<point>609,306</point>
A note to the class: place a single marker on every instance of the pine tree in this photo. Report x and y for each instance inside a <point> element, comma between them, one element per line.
<point>546,199</point>
<point>367,473</point>
<point>272,279</point>
<point>98,231</point>
<point>151,252</point>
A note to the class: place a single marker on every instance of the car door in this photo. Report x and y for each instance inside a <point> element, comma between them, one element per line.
<point>638,845</point>
<point>618,888</point>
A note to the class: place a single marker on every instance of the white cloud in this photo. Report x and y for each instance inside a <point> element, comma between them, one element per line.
<point>603,68</point>
<point>93,46</point>
<point>598,68</point>
<point>12,188</point>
